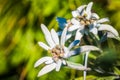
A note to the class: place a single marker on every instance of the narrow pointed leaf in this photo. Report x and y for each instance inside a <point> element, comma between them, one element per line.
<point>103,38</point>
<point>55,36</point>
<point>43,45</point>
<point>47,35</point>
<point>42,60</point>
<point>47,69</point>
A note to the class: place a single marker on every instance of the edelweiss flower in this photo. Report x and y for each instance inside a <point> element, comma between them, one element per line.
<point>59,51</point>
<point>85,21</point>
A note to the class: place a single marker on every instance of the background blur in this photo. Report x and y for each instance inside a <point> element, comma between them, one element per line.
<point>20,31</point>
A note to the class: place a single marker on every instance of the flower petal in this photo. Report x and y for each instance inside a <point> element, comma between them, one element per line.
<point>79,34</point>
<point>68,36</point>
<point>63,36</point>
<point>88,10</point>
<point>80,9</point>
<point>61,22</point>
<point>82,49</point>
<point>108,28</point>
<point>94,30</point>
<point>55,36</point>
<point>74,43</point>
<point>74,21</point>
<point>95,16</point>
<point>66,50</point>
<point>43,45</point>
<point>73,27</point>
<point>103,20</point>
<point>87,48</point>
<point>76,66</point>
<point>47,69</point>
<point>47,35</point>
<point>42,60</point>
<point>75,13</point>
<point>49,61</point>
<point>59,63</point>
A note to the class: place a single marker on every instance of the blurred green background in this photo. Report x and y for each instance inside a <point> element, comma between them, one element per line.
<point>20,31</point>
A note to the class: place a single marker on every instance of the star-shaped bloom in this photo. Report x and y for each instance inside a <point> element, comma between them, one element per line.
<point>85,21</point>
<point>59,51</point>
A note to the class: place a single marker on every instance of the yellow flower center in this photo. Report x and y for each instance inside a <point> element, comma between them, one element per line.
<point>57,52</point>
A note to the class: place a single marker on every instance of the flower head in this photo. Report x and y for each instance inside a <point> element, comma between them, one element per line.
<point>59,51</point>
<point>85,21</point>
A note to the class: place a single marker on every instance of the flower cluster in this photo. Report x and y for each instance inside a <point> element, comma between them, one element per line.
<point>84,22</point>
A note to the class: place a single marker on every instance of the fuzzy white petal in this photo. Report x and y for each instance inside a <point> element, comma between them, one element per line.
<point>74,43</point>
<point>47,35</point>
<point>66,54</point>
<point>63,36</point>
<point>87,48</point>
<point>47,69</point>
<point>74,21</point>
<point>76,66</point>
<point>59,63</point>
<point>68,36</point>
<point>82,49</point>
<point>95,16</point>
<point>49,61</point>
<point>64,62</point>
<point>80,9</point>
<point>103,20</point>
<point>79,34</point>
<point>75,14</point>
<point>73,27</point>
<point>43,45</point>
<point>42,60</point>
<point>94,30</point>
<point>55,36</point>
<point>88,10</point>
<point>108,28</point>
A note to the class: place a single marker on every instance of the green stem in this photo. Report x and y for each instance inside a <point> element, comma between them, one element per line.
<point>85,64</point>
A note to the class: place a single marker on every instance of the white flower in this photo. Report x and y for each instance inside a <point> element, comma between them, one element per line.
<point>85,21</point>
<point>59,51</point>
